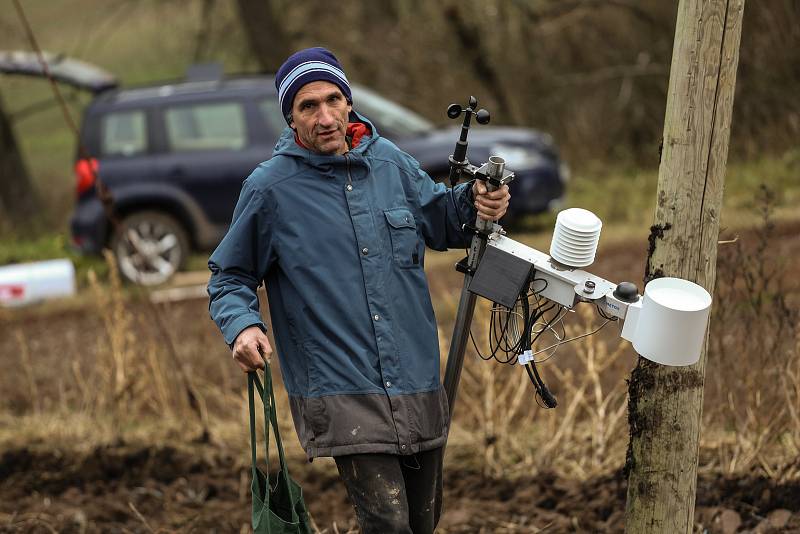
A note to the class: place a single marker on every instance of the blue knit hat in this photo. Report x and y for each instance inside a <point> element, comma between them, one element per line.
<point>306,66</point>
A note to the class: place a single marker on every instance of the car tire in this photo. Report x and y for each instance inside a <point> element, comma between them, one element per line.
<point>150,247</point>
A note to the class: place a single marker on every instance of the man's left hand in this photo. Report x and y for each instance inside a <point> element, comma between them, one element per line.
<point>491,205</point>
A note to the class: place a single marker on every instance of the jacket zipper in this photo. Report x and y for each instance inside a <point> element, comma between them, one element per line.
<point>349,178</point>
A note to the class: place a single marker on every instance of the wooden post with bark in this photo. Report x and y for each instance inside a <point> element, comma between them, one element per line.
<point>665,404</point>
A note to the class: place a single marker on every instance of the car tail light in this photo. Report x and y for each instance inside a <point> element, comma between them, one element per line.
<point>85,174</point>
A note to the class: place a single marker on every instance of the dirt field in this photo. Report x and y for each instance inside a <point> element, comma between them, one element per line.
<point>135,486</point>
<point>124,489</point>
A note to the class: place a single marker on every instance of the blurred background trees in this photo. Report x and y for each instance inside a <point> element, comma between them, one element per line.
<point>263,24</point>
<point>592,73</point>
<point>18,200</point>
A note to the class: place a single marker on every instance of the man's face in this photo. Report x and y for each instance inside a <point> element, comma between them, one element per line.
<point>319,116</point>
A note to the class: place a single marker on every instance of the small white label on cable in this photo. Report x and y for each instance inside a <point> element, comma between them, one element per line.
<point>525,358</point>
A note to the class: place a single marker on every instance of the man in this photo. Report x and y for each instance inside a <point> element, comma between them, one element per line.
<point>336,225</point>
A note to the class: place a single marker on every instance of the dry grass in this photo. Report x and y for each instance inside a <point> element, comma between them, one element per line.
<point>143,375</point>
<point>585,435</point>
<point>139,380</point>
<point>754,341</point>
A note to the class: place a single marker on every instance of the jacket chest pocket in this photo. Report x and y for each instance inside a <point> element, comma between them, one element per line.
<point>403,233</point>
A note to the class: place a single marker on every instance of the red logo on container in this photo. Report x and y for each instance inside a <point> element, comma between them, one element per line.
<point>11,291</point>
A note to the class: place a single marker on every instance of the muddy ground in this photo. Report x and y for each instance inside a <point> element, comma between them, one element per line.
<point>124,489</point>
<point>202,488</point>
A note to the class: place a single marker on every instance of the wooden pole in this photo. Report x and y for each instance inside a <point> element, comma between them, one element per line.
<point>665,403</point>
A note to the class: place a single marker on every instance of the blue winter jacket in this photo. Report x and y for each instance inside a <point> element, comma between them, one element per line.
<point>340,243</point>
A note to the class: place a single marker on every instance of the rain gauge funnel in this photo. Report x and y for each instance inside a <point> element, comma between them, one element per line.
<point>668,325</point>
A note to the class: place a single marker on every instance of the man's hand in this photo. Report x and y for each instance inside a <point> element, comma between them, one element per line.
<point>491,205</point>
<point>251,348</point>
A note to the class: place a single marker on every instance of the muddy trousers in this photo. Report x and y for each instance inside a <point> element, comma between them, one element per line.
<point>394,494</point>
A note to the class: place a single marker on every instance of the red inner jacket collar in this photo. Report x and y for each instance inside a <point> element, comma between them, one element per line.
<point>355,131</point>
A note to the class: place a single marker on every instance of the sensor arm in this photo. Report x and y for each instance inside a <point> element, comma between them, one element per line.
<point>551,280</point>
<point>667,325</point>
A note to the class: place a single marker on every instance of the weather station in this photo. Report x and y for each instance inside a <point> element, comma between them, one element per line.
<point>532,292</point>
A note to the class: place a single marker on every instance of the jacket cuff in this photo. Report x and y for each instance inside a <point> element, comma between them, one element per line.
<point>466,201</point>
<point>232,330</point>
<point>470,192</point>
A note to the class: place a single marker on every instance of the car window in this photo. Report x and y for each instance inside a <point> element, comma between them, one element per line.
<point>387,115</point>
<point>271,112</point>
<point>215,126</point>
<point>123,133</point>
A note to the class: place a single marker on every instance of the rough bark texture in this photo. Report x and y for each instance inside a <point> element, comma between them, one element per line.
<point>266,32</point>
<point>18,199</point>
<point>666,402</point>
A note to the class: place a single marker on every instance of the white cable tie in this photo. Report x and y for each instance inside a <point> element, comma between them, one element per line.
<point>525,358</point>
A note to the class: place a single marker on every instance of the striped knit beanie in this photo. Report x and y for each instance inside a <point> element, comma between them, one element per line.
<point>306,66</point>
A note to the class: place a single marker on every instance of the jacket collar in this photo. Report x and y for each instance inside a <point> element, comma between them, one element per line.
<point>327,164</point>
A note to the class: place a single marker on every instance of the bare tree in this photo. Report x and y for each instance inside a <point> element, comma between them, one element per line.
<point>202,43</point>
<point>18,198</point>
<point>266,32</point>
<point>469,37</point>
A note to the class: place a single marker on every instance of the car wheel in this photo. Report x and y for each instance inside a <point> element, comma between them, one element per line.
<point>150,247</point>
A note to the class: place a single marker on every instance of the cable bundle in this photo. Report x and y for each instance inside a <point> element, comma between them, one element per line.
<point>514,331</point>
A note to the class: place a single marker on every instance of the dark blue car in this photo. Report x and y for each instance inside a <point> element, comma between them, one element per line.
<point>174,156</point>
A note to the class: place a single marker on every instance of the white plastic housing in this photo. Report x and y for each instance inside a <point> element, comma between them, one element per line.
<point>668,324</point>
<point>25,283</point>
<point>575,237</point>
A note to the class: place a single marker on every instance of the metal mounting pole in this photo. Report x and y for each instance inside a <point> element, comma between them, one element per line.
<point>466,305</point>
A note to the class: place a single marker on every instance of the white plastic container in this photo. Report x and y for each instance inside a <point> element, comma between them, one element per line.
<point>25,283</point>
<point>668,325</point>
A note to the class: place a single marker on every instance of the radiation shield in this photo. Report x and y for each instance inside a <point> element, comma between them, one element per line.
<point>668,324</point>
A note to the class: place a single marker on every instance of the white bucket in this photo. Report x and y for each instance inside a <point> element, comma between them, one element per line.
<point>25,283</point>
<point>669,325</point>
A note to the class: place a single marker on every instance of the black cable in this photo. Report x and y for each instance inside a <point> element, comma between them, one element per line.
<point>542,390</point>
<point>498,328</point>
<point>500,339</point>
<point>530,317</point>
<point>493,336</point>
<point>603,314</point>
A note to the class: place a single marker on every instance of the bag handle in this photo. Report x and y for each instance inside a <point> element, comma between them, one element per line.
<point>252,406</point>
<point>269,408</point>
<point>270,419</point>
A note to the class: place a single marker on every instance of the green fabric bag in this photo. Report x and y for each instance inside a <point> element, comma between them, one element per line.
<point>277,509</point>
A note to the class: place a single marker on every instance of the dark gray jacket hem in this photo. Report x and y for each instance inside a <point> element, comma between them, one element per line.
<point>375,448</point>
<point>337,425</point>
